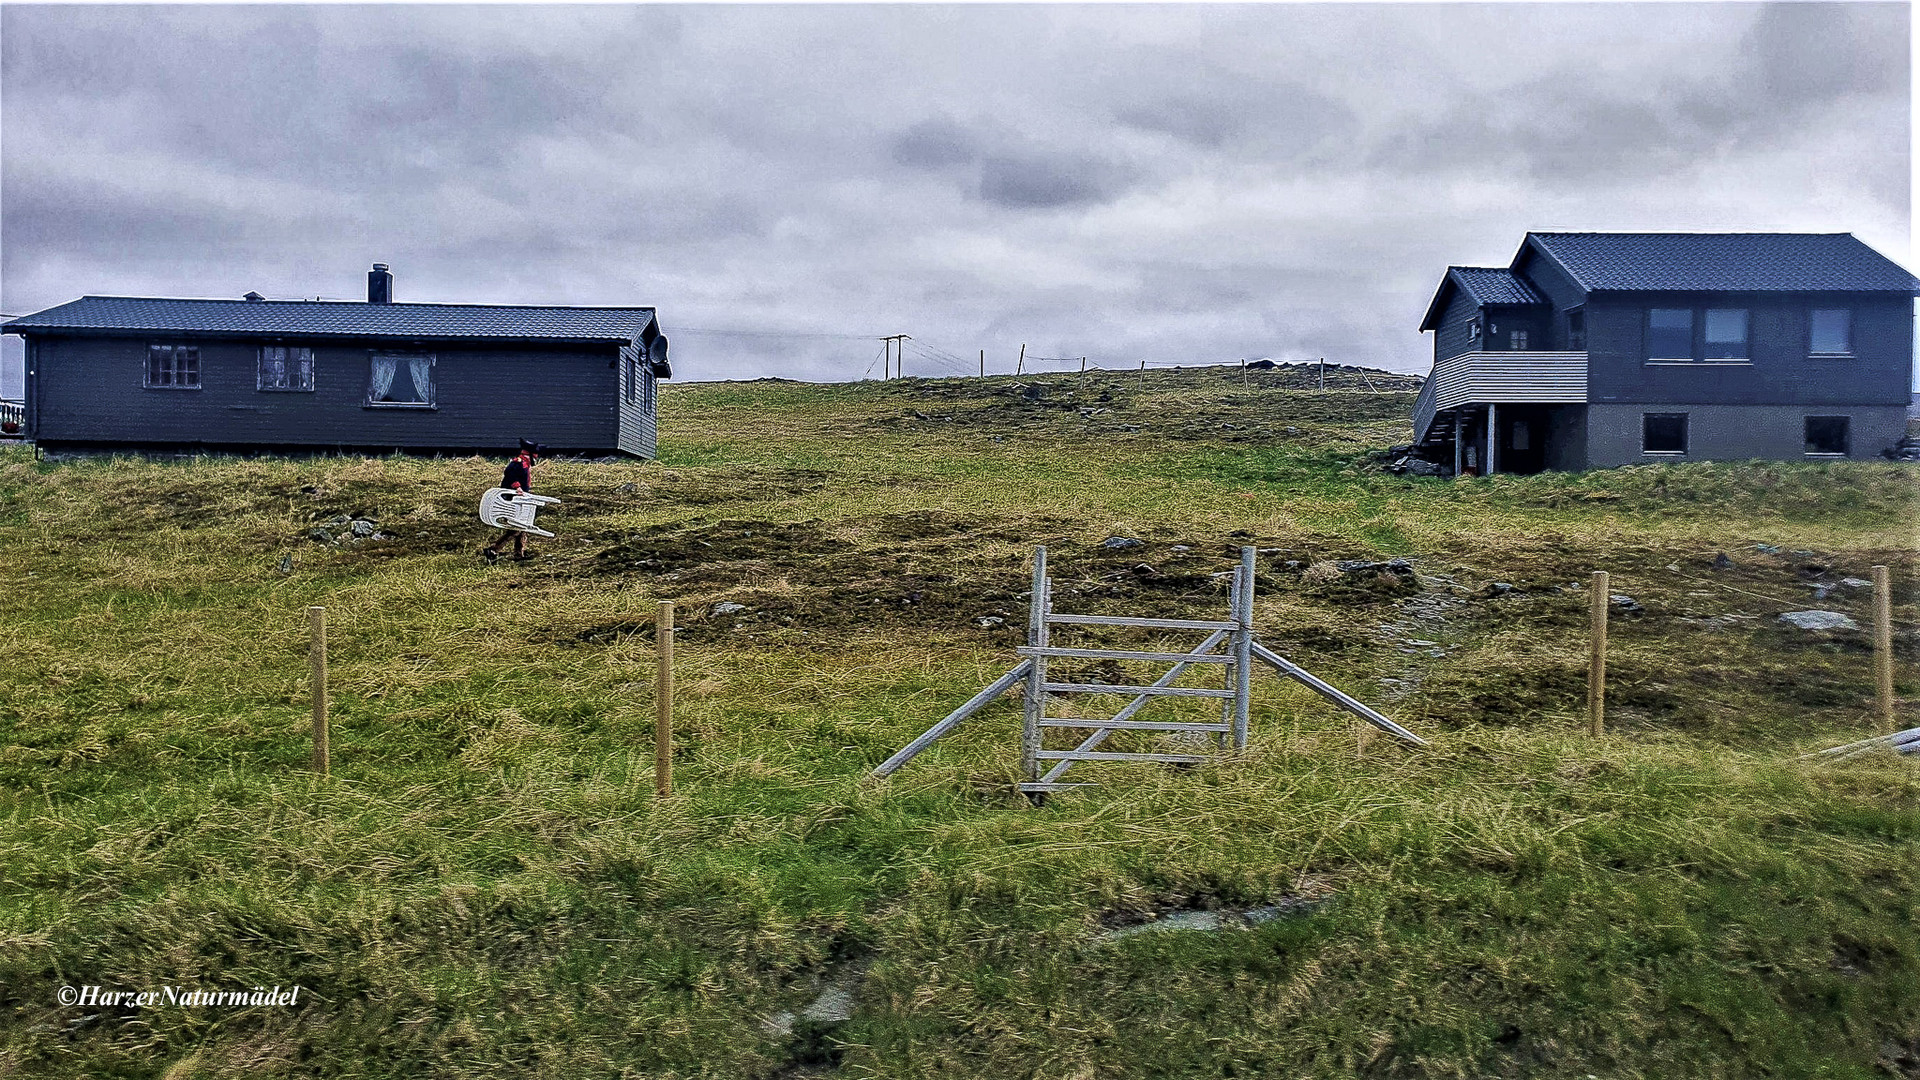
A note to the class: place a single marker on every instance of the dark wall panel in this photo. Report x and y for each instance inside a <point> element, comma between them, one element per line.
<point>1450,336</point>
<point>1781,372</point>
<point>91,392</point>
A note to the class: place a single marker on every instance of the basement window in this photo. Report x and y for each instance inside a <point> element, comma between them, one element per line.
<point>1827,436</point>
<point>1663,433</point>
<point>401,381</point>
<point>173,367</point>
<point>285,368</point>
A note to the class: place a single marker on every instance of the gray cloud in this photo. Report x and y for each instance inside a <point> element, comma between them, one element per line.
<point>1045,181</point>
<point>1177,183</point>
<point>937,143</point>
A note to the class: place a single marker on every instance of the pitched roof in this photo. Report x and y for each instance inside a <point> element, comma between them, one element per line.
<point>1483,285</point>
<point>341,319</point>
<point>1722,262</point>
<point>1495,285</point>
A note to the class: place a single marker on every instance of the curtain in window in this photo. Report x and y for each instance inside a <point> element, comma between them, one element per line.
<point>421,368</point>
<point>303,368</point>
<point>383,371</point>
<point>273,368</point>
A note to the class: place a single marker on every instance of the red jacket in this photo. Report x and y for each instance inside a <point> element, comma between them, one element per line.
<point>519,474</point>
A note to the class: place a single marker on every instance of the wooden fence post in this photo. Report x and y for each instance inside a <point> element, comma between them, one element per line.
<point>1597,663</point>
<point>317,658</point>
<point>1883,646</point>
<point>663,702</point>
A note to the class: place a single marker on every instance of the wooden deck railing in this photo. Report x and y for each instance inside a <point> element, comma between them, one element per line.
<point>1478,378</point>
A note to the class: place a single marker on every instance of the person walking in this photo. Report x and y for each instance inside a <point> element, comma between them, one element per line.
<point>517,478</point>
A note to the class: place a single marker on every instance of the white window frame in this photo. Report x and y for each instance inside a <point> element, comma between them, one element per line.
<point>174,352</point>
<point>289,357</point>
<point>433,390</point>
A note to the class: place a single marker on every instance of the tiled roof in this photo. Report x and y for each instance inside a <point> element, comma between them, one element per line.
<point>1494,285</point>
<point>347,319</point>
<point>1723,262</point>
<point>1483,285</point>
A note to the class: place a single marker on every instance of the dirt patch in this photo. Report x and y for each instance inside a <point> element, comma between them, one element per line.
<point>686,546</point>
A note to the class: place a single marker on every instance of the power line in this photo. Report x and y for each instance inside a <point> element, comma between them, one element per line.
<point>770,333</point>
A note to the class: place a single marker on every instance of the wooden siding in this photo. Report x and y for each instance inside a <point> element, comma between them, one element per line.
<point>1780,372</point>
<point>1450,335</point>
<point>1477,378</point>
<point>1480,377</point>
<point>639,429</point>
<point>88,391</point>
<point>1562,293</point>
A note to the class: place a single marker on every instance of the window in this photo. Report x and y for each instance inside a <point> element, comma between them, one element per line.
<point>1726,334</point>
<point>285,368</point>
<point>1663,433</point>
<point>1473,329</point>
<point>173,367</point>
<point>633,378</point>
<point>1670,334</point>
<point>401,380</point>
<point>1832,332</point>
<point>1517,340</point>
<point>1577,330</point>
<point>1827,435</point>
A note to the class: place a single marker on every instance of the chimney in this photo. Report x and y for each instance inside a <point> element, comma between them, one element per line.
<point>379,285</point>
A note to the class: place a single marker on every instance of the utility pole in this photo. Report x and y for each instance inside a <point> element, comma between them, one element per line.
<point>983,363</point>
<point>1022,365</point>
<point>896,350</point>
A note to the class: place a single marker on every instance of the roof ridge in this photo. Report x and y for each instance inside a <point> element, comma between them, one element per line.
<point>1675,232</point>
<point>366,304</point>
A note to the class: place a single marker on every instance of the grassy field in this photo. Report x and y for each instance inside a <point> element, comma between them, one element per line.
<point>487,886</point>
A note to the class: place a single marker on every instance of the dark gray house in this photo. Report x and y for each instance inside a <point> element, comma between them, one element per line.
<point>1599,349</point>
<point>121,372</point>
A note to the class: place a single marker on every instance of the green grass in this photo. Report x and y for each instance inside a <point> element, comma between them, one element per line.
<point>487,886</point>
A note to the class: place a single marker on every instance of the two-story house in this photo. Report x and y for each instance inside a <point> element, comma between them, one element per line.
<point>109,373</point>
<point>1599,349</point>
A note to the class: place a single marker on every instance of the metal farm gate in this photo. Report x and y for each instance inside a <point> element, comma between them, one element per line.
<point>1229,644</point>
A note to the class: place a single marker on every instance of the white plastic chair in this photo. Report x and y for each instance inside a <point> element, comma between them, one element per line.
<point>504,508</point>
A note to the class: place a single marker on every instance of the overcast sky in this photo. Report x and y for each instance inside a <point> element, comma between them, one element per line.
<point>1177,184</point>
